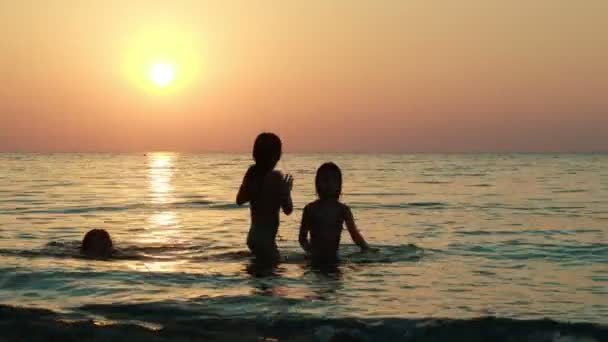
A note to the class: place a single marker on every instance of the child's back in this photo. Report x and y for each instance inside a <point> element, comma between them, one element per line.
<point>268,191</point>
<point>265,208</point>
<point>326,217</point>
<point>325,220</point>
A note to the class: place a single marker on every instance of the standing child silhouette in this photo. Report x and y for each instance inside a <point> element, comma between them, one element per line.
<point>268,191</point>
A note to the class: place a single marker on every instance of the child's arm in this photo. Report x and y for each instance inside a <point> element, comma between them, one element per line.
<point>243,196</point>
<point>304,228</point>
<point>352,229</point>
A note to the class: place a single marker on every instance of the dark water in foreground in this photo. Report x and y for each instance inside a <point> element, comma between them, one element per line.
<point>459,236</point>
<point>42,325</point>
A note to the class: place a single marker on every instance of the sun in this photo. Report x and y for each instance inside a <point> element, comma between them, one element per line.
<point>162,74</point>
<point>164,61</point>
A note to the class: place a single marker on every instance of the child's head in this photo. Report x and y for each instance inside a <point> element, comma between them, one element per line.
<point>267,150</point>
<point>97,243</point>
<point>328,181</point>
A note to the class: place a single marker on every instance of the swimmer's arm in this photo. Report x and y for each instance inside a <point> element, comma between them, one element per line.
<point>353,231</point>
<point>303,237</point>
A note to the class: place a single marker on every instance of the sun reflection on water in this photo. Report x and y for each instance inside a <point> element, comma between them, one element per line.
<point>166,219</point>
<point>160,174</point>
<point>163,226</point>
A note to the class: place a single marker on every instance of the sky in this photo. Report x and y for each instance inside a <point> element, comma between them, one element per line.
<point>326,75</point>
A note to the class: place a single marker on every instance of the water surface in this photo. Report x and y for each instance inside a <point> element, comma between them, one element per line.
<point>460,236</point>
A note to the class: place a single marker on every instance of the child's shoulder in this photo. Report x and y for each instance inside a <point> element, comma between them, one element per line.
<point>250,170</point>
<point>320,204</point>
<point>312,205</point>
<point>344,207</point>
<point>275,177</point>
<point>276,173</point>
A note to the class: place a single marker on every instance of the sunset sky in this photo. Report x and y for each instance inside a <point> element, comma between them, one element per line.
<point>326,75</point>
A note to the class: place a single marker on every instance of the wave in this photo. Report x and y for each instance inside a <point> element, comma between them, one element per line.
<point>204,204</point>
<point>381,194</point>
<point>162,322</point>
<point>564,252</point>
<point>208,252</point>
<point>569,191</point>
<point>115,208</point>
<point>547,232</point>
<point>71,249</point>
<point>431,182</point>
<point>410,205</point>
<point>570,210</point>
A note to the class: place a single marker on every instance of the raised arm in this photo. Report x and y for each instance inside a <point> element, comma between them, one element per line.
<point>286,202</point>
<point>283,184</point>
<point>304,229</point>
<point>349,220</point>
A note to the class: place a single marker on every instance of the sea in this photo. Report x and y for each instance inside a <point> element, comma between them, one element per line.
<point>468,246</point>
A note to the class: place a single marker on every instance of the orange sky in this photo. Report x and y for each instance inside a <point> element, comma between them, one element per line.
<point>326,75</point>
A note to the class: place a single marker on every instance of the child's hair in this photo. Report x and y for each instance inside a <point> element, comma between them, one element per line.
<point>96,241</point>
<point>325,169</point>
<point>267,151</point>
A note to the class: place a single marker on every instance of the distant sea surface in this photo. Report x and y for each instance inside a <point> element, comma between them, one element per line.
<point>521,236</point>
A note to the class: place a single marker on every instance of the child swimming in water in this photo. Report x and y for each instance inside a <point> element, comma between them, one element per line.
<point>97,244</point>
<point>324,218</point>
<point>268,191</point>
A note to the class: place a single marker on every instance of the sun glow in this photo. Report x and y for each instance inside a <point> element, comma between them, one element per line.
<point>162,74</point>
<point>162,61</point>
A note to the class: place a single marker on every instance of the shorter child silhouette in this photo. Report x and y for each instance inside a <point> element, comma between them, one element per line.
<point>324,218</point>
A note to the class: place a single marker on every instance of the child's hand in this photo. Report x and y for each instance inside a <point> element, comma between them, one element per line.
<point>287,183</point>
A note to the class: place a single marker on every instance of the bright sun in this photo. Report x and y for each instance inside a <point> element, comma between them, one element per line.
<point>162,62</point>
<point>162,74</point>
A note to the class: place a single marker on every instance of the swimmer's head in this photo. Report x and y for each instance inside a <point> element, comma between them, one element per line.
<point>328,181</point>
<point>97,244</point>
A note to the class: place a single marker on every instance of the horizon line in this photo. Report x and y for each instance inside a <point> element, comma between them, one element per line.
<point>305,152</point>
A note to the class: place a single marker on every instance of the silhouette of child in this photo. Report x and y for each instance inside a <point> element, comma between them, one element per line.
<point>268,191</point>
<point>97,244</point>
<point>324,218</point>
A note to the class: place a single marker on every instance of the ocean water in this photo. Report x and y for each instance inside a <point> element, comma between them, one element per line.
<point>521,236</point>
